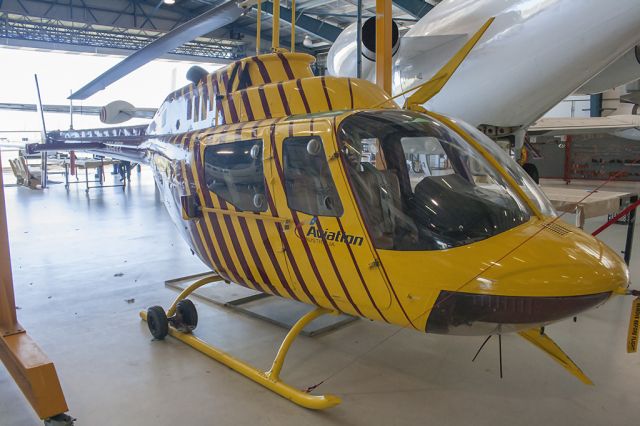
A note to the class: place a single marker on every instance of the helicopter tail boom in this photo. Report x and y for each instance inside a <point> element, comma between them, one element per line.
<point>123,143</point>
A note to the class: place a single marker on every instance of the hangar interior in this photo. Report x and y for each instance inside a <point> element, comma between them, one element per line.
<point>529,223</point>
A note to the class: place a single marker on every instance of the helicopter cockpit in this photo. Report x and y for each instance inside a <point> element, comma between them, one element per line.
<point>421,186</point>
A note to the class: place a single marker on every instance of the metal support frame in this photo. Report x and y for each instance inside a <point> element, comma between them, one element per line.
<point>28,30</point>
<point>415,8</point>
<point>384,14</point>
<point>324,30</point>
<point>359,40</point>
<point>595,105</point>
<point>270,379</point>
<point>87,182</point>
<point>32,371</point>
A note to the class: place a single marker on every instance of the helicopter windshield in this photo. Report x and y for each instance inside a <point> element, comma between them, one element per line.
<point>420,186</point>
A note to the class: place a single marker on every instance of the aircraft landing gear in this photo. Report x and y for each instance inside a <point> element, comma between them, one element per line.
<point>184,319</point>
<point>157,322</point>
<point>182,315</point>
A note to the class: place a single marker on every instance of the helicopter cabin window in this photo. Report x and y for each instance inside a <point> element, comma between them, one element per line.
<point>422,187</point>
<point>308,183</point>
<point>234,171</point>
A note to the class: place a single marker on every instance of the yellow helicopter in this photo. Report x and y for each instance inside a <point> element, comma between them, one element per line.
<point>324,191</point>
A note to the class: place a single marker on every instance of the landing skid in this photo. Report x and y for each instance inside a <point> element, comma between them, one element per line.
<point>269,379</point>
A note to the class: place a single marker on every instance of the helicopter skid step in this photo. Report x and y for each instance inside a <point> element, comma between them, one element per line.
<point>269,379</point>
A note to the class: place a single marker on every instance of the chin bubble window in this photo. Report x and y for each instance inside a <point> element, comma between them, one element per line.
<point>234,172</point>
<point>422,187</point>
<point>308,183</point>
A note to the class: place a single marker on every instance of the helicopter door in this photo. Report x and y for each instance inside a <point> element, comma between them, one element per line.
<point>235,200</point>
<point>328,254</point>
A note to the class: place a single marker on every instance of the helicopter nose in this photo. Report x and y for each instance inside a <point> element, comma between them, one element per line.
<point>549,278</point>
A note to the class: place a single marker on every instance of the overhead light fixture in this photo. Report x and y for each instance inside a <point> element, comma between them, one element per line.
<point>169,1</point>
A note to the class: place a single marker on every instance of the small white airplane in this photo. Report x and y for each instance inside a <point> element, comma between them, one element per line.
<point>536,53</point>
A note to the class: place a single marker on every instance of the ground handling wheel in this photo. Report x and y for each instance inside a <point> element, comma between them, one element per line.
<point>186,318</point>
<point>157,322</point>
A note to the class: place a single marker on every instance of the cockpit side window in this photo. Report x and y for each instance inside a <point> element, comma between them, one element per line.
<point>308,183</point>
<point>422,187</point>
<point>234,171</point>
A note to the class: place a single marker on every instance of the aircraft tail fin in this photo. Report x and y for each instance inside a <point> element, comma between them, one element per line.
<point>550,347</point>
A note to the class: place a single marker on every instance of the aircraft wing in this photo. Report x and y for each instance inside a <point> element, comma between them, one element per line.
<point>419,45</point>
<point>620,125</point>
<point>124,143</point>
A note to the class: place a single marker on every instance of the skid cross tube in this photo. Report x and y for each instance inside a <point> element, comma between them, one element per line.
<point>269,379</point>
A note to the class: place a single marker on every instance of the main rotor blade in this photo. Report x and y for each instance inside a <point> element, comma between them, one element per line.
<point>209,21</point>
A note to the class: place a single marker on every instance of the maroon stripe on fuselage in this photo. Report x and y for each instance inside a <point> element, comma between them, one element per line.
<point>256,257</point>
<point>303,96</point>
<point>265,103</point>
<point>326,92</point>
<point>283,98</point>
<point>287,250</point>
<point>247,104</point>
<point>364,284</point>
<point>236,245</point>
<point>229,96</point>
<point>350,92</point>
<point>263,70</point>
<point>335,268</point>
<point>286,66</point>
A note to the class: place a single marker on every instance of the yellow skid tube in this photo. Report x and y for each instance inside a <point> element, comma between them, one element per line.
<point>269,379</point>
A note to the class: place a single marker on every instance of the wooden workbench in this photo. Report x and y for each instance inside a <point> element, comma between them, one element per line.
<point>599,203</point>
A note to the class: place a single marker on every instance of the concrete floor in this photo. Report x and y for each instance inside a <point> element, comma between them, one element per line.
<point>69,249</point>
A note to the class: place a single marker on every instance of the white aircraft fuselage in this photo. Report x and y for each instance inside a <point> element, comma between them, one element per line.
<point>536,53</point>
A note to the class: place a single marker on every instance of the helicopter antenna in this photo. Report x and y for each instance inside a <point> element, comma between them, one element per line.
<point>70,111</point>
<point>481,347</point>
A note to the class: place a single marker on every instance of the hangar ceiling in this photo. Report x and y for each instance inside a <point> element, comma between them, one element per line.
<point>113,26</point>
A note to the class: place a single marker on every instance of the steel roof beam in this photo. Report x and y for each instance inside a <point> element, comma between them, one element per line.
<point>321,29</point>
<point>415,8</point>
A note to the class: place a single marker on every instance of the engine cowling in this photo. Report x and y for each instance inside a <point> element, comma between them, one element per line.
<point>340,58</point>
<point>117,112</point>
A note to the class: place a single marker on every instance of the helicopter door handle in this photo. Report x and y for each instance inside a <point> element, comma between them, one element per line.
<point>374,264</point>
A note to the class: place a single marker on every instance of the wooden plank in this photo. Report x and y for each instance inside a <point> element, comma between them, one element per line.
<point>34,374</point>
